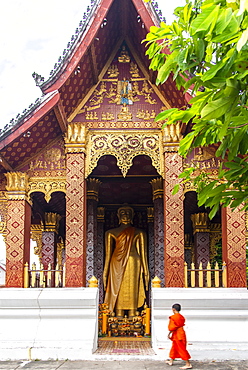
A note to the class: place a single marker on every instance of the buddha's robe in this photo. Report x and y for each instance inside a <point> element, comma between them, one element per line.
<point>125,288</point>
<point>178,349</point>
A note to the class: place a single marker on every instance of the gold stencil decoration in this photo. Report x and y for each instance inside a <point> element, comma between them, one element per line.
<point>124,147</point>
<point>53,155</point>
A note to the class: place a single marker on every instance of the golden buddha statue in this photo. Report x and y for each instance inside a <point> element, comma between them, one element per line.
<point>138,328</point>
<point>125,265</point>
<point>124,56</point>
<point>124,114</point>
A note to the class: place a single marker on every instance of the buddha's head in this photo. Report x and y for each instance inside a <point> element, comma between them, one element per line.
<point>125,214</point>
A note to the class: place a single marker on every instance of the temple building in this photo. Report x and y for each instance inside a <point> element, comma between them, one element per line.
<point>89,146</point>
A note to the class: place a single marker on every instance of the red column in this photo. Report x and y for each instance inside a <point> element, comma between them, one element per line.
<point>173,217</point>
<point>75,206</point>
<point>18,229</point>
<point>234,246</point>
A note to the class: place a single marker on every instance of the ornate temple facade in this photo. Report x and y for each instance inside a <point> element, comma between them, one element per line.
<point>91,144</point>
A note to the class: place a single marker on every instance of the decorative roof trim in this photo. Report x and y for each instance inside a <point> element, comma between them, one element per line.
<point>11,132</point>
<point>81,31</point>
<point>66,58</point>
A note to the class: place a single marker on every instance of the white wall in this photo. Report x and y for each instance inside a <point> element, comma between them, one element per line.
<point>212,315</point>
<point>48,323</point>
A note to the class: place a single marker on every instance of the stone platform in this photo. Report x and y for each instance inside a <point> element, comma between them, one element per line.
<point>218,315</point>
<point>62,324</point>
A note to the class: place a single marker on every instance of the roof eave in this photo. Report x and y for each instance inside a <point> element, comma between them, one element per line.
<point>23,126</point>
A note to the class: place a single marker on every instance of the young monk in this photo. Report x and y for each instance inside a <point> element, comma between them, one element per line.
<point>178,337</point>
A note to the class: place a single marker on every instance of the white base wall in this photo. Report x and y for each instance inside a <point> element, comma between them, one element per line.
<point>48,323</point>
<point>63,323</point>
<point>212,315</point>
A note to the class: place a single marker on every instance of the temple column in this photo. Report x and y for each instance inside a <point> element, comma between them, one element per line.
<point>75,206</point>
<point>92,200</point>
<point>49,240</point>
<point>18,228</point>
<point>201,230</point>
<point>173,209</point>
<point>99,252</point>
<point>188,253</point>
<point>157,188</point>
<point>151,249</point>
<point>151,257</point>
<point>234,246</point>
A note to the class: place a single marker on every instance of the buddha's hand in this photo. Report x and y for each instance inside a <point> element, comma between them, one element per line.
<point>104,278</point>
<point>146,281</point>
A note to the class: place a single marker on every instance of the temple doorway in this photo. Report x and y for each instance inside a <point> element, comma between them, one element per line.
<point>136,191</point>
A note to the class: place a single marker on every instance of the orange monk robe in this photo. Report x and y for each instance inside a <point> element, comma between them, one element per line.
<point>178,349</point>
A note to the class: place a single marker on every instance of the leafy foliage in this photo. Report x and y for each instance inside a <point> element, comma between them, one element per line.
<point>206,51</point>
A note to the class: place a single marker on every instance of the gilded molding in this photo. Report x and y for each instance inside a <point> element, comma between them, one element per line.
<point>100,214</point>
<point>17,185</point>
<point>150,214</point>
<point>157,188</point>
<point>36,235</point>
<point>171,136</point>
<point>75,138</point>
<point>52,222</point>
<point>200,222</point>
<point>93,189</point>
<point>46,185</point>
<point>124,147</point>
<point>171,147</point>
<point>16,181</point>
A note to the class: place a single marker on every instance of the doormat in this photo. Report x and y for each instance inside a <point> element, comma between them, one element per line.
<point>115,347</point>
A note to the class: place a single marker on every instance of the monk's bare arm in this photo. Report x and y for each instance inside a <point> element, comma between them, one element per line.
<point>109,241</point>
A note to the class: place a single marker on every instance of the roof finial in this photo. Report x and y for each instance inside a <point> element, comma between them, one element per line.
<point>38,79</point>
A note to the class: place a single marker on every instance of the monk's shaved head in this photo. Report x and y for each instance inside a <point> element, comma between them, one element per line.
<point>177,307</point>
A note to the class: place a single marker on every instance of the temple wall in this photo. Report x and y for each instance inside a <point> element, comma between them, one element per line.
<point>212,315</point>
<point>48,323</point>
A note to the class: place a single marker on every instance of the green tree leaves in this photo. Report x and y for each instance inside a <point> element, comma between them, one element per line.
<point>208,46</point>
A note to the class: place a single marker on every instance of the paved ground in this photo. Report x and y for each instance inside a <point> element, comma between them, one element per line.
<point>119,365</point>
